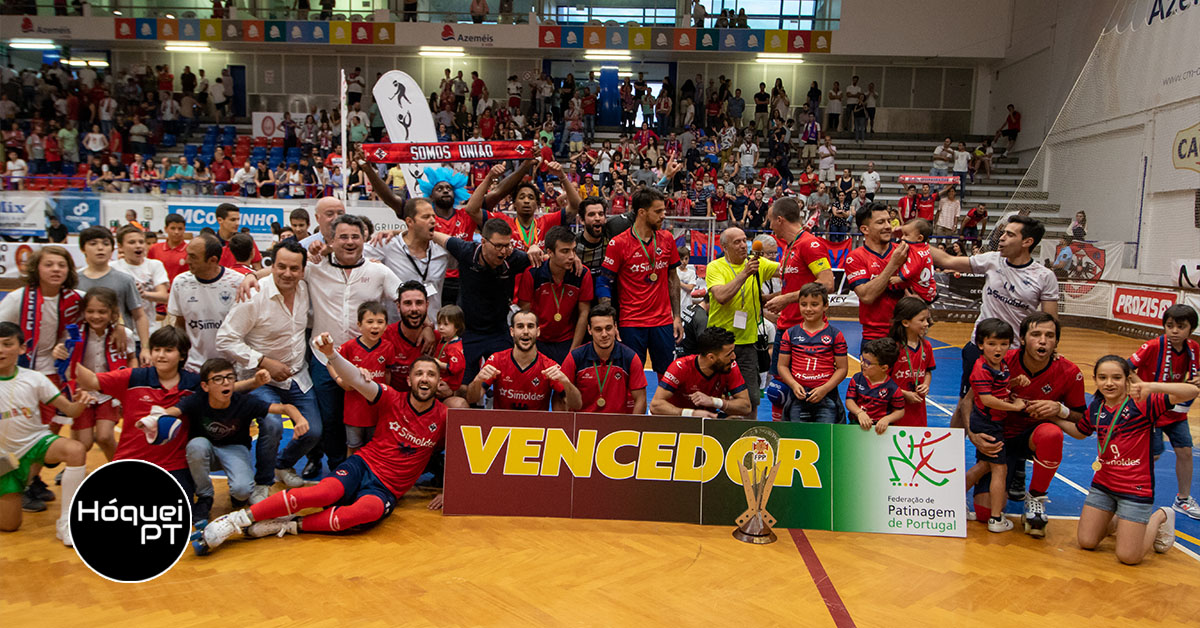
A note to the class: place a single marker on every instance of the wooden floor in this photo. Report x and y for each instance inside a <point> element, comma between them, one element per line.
<point>422,569</point>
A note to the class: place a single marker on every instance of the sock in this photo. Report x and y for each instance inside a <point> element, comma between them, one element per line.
<point>995,519</point>
<point>72,478</point>
<point>1048,443</point>
<point>293,500</point>
<point>365,510</point>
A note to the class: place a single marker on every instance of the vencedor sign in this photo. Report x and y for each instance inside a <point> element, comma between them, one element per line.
<point>684,469</point>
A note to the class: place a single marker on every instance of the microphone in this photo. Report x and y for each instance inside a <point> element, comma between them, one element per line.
<point>756,248</point>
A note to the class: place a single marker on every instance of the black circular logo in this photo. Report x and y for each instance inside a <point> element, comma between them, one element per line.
<point>130,521</point>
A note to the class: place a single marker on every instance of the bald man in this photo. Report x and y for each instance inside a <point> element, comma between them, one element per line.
<point>326,211</point>
<point>735,302</point>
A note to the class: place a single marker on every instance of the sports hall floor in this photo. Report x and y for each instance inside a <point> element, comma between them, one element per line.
<point>422,569</point>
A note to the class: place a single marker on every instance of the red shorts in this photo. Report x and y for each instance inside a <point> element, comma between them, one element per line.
<point>102,412</point>
<point>514,102</point>
<point>49,411</point>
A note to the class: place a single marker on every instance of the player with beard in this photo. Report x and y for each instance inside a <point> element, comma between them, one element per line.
<point>460,222</point>
<point>560,295</point>
<point>704,384</point>
<point>592,241</point>
<point>363,489</point>
<point>529,230</point>
<point>405,334</point>
<point>641,263</point>
<point>1055,391</point>
<point>609,376</point>
<point>521,377</point>
<point>870,267</point>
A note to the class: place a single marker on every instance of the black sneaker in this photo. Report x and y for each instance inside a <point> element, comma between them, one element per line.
<point>312,470</point>
<point>1016,484</point>
<point>237,504</point>
<point>202,509</point>
<point>31,504</point>
<point>38,490</point>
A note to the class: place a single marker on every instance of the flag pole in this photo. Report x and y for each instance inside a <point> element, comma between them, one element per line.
<point>345,139</point>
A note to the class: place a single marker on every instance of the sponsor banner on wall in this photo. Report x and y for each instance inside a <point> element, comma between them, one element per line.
<point>266,124</point>
<point>203,214</point>
<point>13,256</point>
<point>77,209</point>
<point>1136,305</point>
<point>56,28</point>
<point>23,214</point>
<point>684,469</point>
<point>1082,263</point>
<point>1175,151</point>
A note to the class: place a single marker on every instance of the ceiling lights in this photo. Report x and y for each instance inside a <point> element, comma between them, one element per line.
<point>775,57</point>
<point>32,44</point>
<point>442,51</point>
<point>187,46</point>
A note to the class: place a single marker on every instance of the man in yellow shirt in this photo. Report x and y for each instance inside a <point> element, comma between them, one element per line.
<point>395,179</point>
<point>735,284</point>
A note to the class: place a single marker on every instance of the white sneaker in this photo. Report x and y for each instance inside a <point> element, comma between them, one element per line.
<point>219,530</point>
<point>260,492</point>
<point>62,530</point>
<point>289,477</point>
<point>1035,516</point>
<point>1003,525</point>
<point>279,526</point>
<point>1166,532</point>
<point>971,511</point>
<point>1188,506</point>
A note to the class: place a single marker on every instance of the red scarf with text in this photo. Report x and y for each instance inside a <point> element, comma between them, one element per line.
<point>31,318</point>
<point>447,151</point>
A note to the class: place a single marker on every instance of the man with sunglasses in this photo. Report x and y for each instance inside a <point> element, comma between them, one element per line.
<point>488,271</point>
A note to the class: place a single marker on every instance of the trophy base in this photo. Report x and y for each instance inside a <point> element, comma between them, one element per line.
<point>763,538</point>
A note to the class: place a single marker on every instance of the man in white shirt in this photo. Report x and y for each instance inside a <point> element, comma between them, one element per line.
<point>245,179</point>
<point>268,331</point>
<point>942,156</point>
<point>202,297</point>
<point>415,256</point>
<point>149,275</point>
<point>827,155</point>
<point>108,107</point>
<point>870,180</point>
<point>850,97</point>
<point>962,164</point>
<point>747,159</point>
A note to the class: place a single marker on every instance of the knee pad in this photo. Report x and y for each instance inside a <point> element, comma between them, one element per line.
<point>775,392</point>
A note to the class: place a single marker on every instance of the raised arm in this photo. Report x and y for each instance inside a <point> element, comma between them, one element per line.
<point>510,183</point>
<point>382,189</point>
<point>348,372</point>
<point>946,261</point>
<point>570,189</point>
<point>479,198</point>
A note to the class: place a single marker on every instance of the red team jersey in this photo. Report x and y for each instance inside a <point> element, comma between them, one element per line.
<point>174,260</point>
<point>908,373</point>
<point>459,225</point>
<point>138,390</point>
<point>547,299</point>
<point>536,233</point>
<point>519,388</point>
<point>227,257</point>
<point>619,204</point>
<point>803,260</point>
<point>1157,361</point>
<point>863,265</point>
<point>877,401</point>
<point>917,272</point>
<point>644,302</point>
<point>813,355</point>
<point>451,354</point>
<point>907,208</point>
<point>404,353</point>
<point>404,440</point>
<point>1060,381</point>
<point>621,374</point>
<point>683,378</point>
<point>358,412</point>
<point>1126,466</point>
<point>926,206</point>
<point>986,380</point>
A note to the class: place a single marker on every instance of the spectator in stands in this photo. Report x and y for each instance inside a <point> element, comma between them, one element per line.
<point>827,154</point>
<point>68,145</point>
<point>762,104</point>
<point>202,178</point>
<point>15,170</point>
<point>1010,129</point>
<point>962,165</point>
<point>410,11</point>
<point>115,176</point>
<point>245,178</point>
<point>221,171</point>
<point>943,156</point>
<point>949,208</point>
<point>96,143</point>
<point>1078,226</point>
<point>699,13</point>
<point>479,11</point>
<point>220,98</point>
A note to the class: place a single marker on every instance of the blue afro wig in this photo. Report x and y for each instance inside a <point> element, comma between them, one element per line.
<point>457,180</point>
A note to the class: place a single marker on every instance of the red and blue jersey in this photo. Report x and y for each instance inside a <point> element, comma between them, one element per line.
<point>404,353</point>
<point>139,390</point>
<point>1126,466</point>
<point>639,270</point>
<point>813,356</point>
<point>1060,381</point>
<point>803,260</point>
<point>621,374</point>
<point>517,388</point>
<point>1158,361</point>
<point>547,299</point>
<point>684,377</point>
<point>459,225</point>
<point>373,360</point>
<point>986,380</point>
<point>451,354</point>
<point>863,265</point>
<point>404,439</point>
<point>877,401</point>
<point>909,372</point>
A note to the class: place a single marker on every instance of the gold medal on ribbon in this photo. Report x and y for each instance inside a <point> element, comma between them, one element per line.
<point>600,403</point>
<point>1096,465</point>
<point>557,317</point>
<point>653,276</point>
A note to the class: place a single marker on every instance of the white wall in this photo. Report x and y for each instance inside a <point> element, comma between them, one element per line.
<point>924,28</point>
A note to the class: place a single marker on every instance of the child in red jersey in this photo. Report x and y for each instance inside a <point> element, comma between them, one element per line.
<point>1123,416</point>
<point>917,272</point>
<point>873,397</point>
<point>914,368</point>
<point>370,353</point>
<point>241,246</point>
<point>97,351</point>
<point>449,355</point>
<point>1174,357</point>
<point>993,401</point>
<point>812,361</point>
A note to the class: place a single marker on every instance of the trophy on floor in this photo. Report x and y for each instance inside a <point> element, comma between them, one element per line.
<point>758,469</point>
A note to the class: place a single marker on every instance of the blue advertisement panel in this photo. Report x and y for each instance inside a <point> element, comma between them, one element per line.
<point>258,219</point>
<point>77,209</point>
